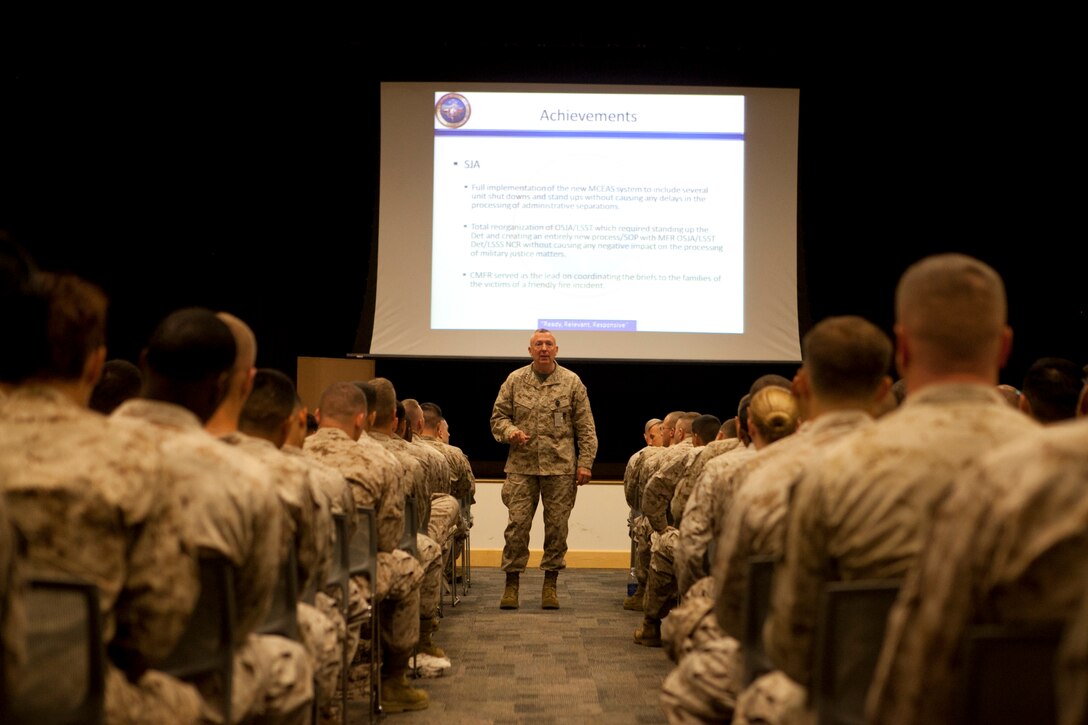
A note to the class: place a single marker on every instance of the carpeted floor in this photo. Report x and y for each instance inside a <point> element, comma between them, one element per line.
<point>577,664</point>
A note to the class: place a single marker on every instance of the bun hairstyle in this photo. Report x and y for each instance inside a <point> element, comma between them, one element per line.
<point>774,413</point>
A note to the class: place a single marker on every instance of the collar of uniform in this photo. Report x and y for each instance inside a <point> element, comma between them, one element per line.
<point>835,419</point>
<point>322,434</point>
<point>552,379</point>
<point>946,393</point>
<point>167,415</point>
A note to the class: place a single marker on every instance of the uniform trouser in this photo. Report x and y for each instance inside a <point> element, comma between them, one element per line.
<point>430,591</point>
<point>155,698</point>
<point>661,582</point>
<point>641,531</point>
<point>520,494</point>
<point>399,580</point>
<point>774,699</point>
<point>272,682</point>
<point>445,519</point>
<point>703,686</point>
<point>322,631</point>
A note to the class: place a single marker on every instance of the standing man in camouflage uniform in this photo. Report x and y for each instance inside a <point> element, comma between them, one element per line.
<point>541,411</point>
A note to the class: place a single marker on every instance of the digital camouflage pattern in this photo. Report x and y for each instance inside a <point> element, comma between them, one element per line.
<point>93,500</point>
<point>1009,545</point>
<point>865,512</point>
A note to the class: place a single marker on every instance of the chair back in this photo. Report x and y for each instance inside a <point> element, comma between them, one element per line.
<point>757,602</point>
<point>63,680</point>
<point>849,633</point>
<point>1009,674</point>
<point>363,558</point>
<point>282,617</point>
<point>411,527</point>
<point>205,652</point>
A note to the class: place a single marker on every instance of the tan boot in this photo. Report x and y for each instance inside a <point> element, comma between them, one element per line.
<point>510,594</point>
<point>634,602</point>
<point>397,694</point>
<point>549,598</point>
<point>426,643</point>
<point>649,634</point>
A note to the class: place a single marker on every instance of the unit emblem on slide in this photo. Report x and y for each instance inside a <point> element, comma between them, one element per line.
<point>452,110</point>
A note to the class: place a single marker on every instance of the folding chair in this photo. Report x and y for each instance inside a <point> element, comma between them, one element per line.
<point>63,680</point>
<point>282,618</point>
<point>206,650</point>
<point>338,579</point>
<point>849,633</point>
<point>411,527</point>
<point>363,561</point>
<point>1009,674</point>
<point>757,602</point>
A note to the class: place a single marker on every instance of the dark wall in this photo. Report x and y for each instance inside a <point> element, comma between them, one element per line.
<point>238,171</point>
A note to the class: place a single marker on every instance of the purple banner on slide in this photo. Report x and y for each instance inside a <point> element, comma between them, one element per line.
<point>588,325</point>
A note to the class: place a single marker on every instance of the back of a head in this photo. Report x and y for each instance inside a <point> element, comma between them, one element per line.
<point>120,381</point>
<point>774,412</point>
<point>432,416</point>
<point>270,403</point>
<point>685,421</point>
<point>706,427</point>
<point>413,412</point>
<point>954,306</point>
<point>846,358</point>
<point>1052,387</point>
<point>650,424</point>
<point>341,402</point>
<point>75,324</point>
<point>385,405</point>
<point>189,345</point>
<point>728,429</point>
<point>367,388</point>
<point>764,381</point>
<point>742,416</point>
<point>244,340</point>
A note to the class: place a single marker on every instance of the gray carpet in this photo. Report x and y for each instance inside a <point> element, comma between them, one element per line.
<point>577,664</point>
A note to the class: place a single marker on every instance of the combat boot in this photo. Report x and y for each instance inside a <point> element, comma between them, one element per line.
<point>426,643</point>
<point>549,598</point>
<point>634,602</point>
<point>397,694</point>
<point>649,634</point>
<point>510,594</point>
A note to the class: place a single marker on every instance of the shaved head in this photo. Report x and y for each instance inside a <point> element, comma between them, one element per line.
<point>846,357</point>
<point>954,307</point>
<point>244,340</point>
<point>342,402</point>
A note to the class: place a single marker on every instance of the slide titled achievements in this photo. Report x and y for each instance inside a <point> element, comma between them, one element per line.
<point>579,211</point>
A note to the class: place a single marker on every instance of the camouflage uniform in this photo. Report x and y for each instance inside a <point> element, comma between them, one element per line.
<point>1009,545</point>
<point>235,511</point>
<point>754,526</point>
<point>865,512</point>
<point>700,524</point>
<point>554,411</point>
<point>462,482</point>
<point>632,491</point>
<point>429,551</point>
<point>93,501</point>
<point>372,474</point>
<point>661,589</point>
<point>308,523</point>
<point>691,476</point>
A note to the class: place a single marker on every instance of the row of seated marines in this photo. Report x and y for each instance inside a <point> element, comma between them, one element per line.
<point>852,550</point>
<point>212,460</point>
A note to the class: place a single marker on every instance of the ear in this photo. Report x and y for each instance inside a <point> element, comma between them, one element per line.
<point>1082,404</point>
<point>317,414</point>
<point>1006,348</point>
<point>1025,405</point>
<point>801,385</point>
<point>247,384</point>
<point>903,352</point>
<point>93,366</point>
